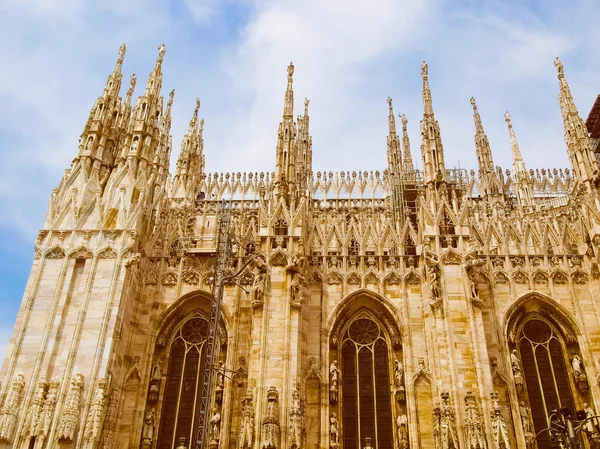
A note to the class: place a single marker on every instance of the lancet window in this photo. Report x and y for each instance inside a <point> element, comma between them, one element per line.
<point>365,401</point>
<point>181,400</point>
<point>545,383</point>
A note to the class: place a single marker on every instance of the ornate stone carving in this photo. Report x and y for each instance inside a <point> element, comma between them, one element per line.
<point>10,411</point>
<point>148,430</point>
<point>474,428</point>
<point>47,413</point>
<point>334,278</point>
<point>560,278</point>
<point>169,278</point>
<point>270,424</point>
<point>516,369</point>
<point>107,253</point>
<point>93,423</point>
<point>528,431</point>
<point>70,413</point>
<point>540,278</point>
<point>260,285</point>
<point>32,418</point>
<point>278,259</point>
<point>499,432</point>
<point>501,278</point>
<point>245,435</point>
<point>520,277</point>
<point>579,374</point>
<point>353,279</point>
<point>215,425</point>
<point>297,428</point>
<point>392,279</point>
<point>81,253</point>
<point>110,421</point>
<point>579,278</point>
<point>398,373</point>
<point>444,424</point>
<point>55,253</point>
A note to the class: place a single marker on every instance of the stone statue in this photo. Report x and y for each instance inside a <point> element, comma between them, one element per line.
<point>525,417</point>
<point>424,69</point>
<point>258,289</point>
<point>88,146</point>
<point>296,288</point>
<point>333,429</point>
<point>148,429</point>
<point>398,373</point>
<point>434,281</point>
<point>473,287</point>
<point>334,374</point>
<point>296,428</point>
<point>220,375</point>
<point>215,424</point>
<point>577,367</point>
<point>156,372</point>
<point>515,362</point>
<point>402,429</point>
<point>591,426</point>
<point>181,443</point>
<point>247,426</point>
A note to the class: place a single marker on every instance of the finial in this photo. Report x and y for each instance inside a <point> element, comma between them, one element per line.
<point>122,50</point>
<point>161,51</point>
<point>424,70</point>
<point>389,102</point>
<point>306,101</point>
<point>197,105</point>
<point>290,70</point>
<point>171,95</point>
<point>473,103</point>
<point>561,68</point>
<point>507,118</point>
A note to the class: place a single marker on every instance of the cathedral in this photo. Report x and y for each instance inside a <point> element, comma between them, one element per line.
<point>397,309</point>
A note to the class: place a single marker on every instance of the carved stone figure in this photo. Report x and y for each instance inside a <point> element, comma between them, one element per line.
<point>258,288</point>
<point>70,413</point>
<point>591,426</point>
<point>577,366</point>
<point>402,429</point>
<point>444,424</point>
<point>334,373</point>
<point>296,288</point>
<point>525,417</point>
<point>398,373</point>
<point>148,428</point>
<point>270,425</point>
<point>221,375</point>
<point>473,287</point>
<point>434,281</point>
<point>333,430</point>
<point>182,443</point>
<point>215,425</point>
<point>247,426</point>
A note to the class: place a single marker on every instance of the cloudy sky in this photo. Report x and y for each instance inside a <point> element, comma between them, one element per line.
<point>349,57</point>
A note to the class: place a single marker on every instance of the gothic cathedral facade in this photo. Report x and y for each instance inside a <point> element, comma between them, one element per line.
<point>433,308</point>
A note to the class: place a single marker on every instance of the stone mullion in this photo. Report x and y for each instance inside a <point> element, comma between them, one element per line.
<point>58,301</point>
<point>73,351</point>
<point>100,357</point>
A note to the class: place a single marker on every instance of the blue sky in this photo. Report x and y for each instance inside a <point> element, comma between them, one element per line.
<point>349,57</point>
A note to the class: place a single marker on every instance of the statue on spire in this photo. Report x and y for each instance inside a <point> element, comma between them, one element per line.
<point>561,68</point>
<point>424,70</point>
<point>161,51</point>
<point>403,119</point>
<point>122,50</point>
<point>306,101</point>
<point>171,95</point>
<point>290,70</point>
<point>197,105</point>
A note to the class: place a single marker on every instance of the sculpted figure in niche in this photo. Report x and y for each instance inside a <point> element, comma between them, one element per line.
<point>432,276</point>
<point>525,417</point>
<point>402,429</point>
<point>148,429</point>
<point>577,366</point>
<point>398,373</point>
<point>297,280</point>
<point>220,375</point>
<point>473,286</point>
<point>334,374</point>
<point>515,362</point>
<point>258,289</point>
<point>156,371</point>
<point>215,424</point>
<point>333,430</point>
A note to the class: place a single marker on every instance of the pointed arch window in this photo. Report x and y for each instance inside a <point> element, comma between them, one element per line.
<point>543,356</point>
<point>181,401</point>
<point>365,391</point>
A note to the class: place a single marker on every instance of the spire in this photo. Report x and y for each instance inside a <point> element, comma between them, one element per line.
<point>393,144</point>
<point>304,157</point>
<point>522,184</point>
<point>432,150</point>
<point>288,107</point>
<point>407,162</point>
<point>286,170</point>
<point>113,83</point>
<point>190,163</point>
<point>579,148</point>
<point>482,144</point>
<point>154,82</point>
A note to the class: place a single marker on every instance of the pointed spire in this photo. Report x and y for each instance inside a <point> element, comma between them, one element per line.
<point>393,144</point>
<point>190,163</point>
<point>427,102</point>
<point>407,162</point>
<point>434,169</point>
<point>579,148</point>
<point>482,145</point>
<point>288,107</point>
<point>155,78</point>
<point>518,164</point>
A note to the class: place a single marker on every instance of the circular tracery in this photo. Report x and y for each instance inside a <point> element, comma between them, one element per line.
<point>194,331</point>
<point>363,331</point>
<point>537,331</point>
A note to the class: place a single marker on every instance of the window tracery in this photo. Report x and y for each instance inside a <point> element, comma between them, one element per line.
<point>365,400</point>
